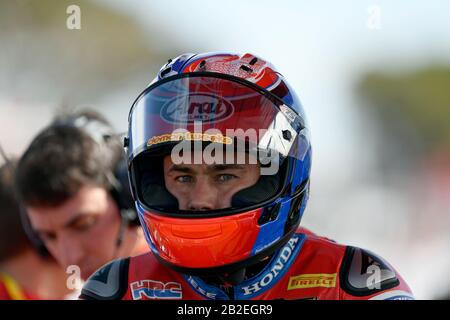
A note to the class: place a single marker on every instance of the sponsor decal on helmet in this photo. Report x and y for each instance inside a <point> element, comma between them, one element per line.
<point>151,289</point>
<point>304,281</point>
<point>203,107</point>
<point>189,136</point>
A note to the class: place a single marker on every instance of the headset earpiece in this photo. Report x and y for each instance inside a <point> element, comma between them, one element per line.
<point>36,241</point>
<point>121,193</point>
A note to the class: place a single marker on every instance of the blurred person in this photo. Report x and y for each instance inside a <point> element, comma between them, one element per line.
<point>24,273</point>
<point>73,182</point>
<point>219,163</point>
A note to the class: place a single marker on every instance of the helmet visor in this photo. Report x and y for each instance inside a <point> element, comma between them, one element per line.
<point>210,119</point>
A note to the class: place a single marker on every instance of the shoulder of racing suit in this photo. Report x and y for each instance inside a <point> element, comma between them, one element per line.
<point>366,275</point>
<point>110,282</point>
<point>361,274</point>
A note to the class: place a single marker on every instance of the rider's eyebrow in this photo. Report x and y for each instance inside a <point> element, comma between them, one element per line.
<point>180,168</point>
<point>216,167</point>
<point>222,167</point>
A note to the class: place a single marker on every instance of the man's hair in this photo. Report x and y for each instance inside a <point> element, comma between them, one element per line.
<point>65,157</point>
<point>13,239</point>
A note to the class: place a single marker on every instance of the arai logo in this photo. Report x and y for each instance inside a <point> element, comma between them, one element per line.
<point>202,107</point>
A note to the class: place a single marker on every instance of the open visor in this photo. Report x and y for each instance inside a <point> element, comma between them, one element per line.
<point>209,118</point>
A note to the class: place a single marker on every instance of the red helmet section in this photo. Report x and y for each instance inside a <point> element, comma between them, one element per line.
<point>205,243</point>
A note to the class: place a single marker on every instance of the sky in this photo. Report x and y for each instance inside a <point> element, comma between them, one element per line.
<point>321,47</point>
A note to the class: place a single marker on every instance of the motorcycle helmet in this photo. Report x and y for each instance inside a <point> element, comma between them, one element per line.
<point>226,100</point>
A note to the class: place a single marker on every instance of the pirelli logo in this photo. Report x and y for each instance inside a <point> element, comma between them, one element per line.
<point>303,281</point>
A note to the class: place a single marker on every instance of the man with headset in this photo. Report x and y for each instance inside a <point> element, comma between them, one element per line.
<point>73,182</point>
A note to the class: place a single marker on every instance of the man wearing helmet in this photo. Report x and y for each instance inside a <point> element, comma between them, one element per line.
<point>219,161</point>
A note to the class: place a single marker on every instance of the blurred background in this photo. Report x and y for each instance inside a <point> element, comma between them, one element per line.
<point>373,76</point>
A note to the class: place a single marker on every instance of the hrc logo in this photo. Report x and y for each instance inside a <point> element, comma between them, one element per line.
<point>150,289</point>
<point>312,281</point>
